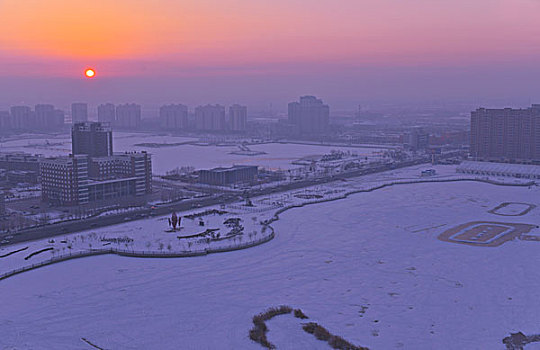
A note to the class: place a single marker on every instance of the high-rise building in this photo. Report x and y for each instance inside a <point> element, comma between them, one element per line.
<point>237,118</point>
<point>44,116</point>
<point>5,121</point>
<point>93,173</point>
<point>48,118</point>
<point>210,118</point>
<point>173,117</point>
<point>509,135</point>
<point>128,116</point>
<point>93,139</point>
<point>106,113</point>
<point>309,116</point>
<point>59,117</point>
<point>22,118</point>
<point>79,112</point>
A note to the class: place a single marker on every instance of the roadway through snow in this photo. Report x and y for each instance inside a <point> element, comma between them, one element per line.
<point>67,227</point>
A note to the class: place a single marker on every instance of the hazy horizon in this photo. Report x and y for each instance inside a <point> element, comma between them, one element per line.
<point>357,52</point>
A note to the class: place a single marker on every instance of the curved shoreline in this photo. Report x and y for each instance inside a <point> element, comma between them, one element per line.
<point>137,254</point>
<point>266,224</point>
<point>409,182</point>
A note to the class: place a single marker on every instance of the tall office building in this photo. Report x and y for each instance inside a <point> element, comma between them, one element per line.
<point>237,118</point>
<point>128,116</point>
<point>210,118</point>
<point>310,115</point>
<point>173,117</point>
<point>92,139</point>
<point>22,118</point>
<point>106,113</point>
<point>79,112</point>
<point>510,135</point>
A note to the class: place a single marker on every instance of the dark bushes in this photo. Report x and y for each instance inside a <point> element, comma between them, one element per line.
<point>258,332</point>
<point>299,314</point>
<point>334,341</point>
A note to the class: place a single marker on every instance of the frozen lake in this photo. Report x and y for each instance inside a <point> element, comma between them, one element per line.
<point>368,268</point>
<point>201,157</point>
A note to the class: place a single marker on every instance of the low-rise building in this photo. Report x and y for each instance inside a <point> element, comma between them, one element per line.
<point>22,177</point>
<point>228,176</point>
<point>19,161</point>
<point>524,171</point>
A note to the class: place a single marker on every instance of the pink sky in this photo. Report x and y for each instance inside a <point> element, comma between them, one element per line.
<point>143,37</point>
<point>262,51</point>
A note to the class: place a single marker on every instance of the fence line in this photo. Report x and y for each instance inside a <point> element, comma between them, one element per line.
<point>138,254</point>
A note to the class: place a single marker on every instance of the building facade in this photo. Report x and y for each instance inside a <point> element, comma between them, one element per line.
<point>64,180</point>
<point>19,161</point>
<point>48,118</point>
<point>22,118</point>
<point>507,135</point>
<point>93,173</point>
<point>210,118</point>
<point>92,139</point>
<point>106,113</point>
<point>418,139</point>
<point>522,171</point>
<point>237,118</point>
<point>228,176</point>
<point>5,121</point>
<point>309,116</point>
<point>173,117</point>
<point>79,112</point>
<point>2,203</point>
<point>128,116</point>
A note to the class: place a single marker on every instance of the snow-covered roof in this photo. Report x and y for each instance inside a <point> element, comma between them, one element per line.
<point>500,168</point>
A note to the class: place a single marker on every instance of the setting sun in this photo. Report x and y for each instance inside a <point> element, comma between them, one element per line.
<point>90,73</point>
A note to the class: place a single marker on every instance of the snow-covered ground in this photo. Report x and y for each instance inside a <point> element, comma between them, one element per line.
<point>276,155</point>
<point>369,268</point>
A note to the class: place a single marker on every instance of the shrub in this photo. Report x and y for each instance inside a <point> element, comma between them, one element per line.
<point>334,341</point>
<point>299,314</point>
<point>258,332</point>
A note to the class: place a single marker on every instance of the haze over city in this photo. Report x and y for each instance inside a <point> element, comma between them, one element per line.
<point>379,52</point>
<point>255,174</point>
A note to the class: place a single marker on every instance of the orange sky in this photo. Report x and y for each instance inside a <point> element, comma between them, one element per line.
<point>121,36</point>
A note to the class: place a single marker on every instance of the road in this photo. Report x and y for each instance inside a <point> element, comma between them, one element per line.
<point>62,228</point>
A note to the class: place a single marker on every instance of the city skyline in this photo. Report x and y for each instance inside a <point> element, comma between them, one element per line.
<point>286,174</point>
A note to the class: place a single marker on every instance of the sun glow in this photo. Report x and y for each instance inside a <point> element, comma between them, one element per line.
<point>90,73</point>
